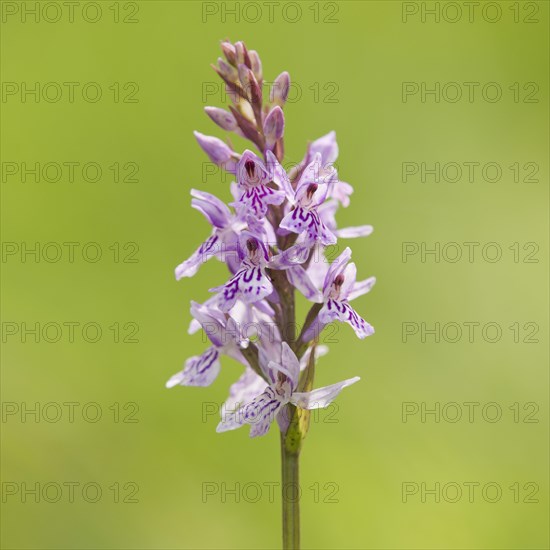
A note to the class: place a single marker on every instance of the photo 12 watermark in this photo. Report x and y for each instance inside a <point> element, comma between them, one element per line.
<point>34,12</point>
<point>72,92</point>
<point>270,12</point>
<point>453,492</point>
<point>452,252</point>
<point>69,492</point>
<point>70,412</point>
<point>69,332</point>
<point>470,332</point>
<point>470,12</point>
<point>66,171</point>
<point>469,92</point>
<point>472,171</point>
<point>69,252</point>
<point>469,412</point>
<point>269,491</point>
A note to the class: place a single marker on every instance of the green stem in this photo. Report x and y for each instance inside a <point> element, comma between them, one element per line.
<point>290,496</point>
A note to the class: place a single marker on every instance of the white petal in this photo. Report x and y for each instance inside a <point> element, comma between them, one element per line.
<point>322,397</point>
<point>361,287</point>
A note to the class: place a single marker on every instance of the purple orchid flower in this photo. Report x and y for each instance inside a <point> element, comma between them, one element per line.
<point>304,217</point>
<point>250,283</point>
<point>254,178</point>
<point>327,147</point>
<point>252,401</point>
<point>261,411</point>
<point>339,287</point>
<point>221,244</point>
<point>202,370</point>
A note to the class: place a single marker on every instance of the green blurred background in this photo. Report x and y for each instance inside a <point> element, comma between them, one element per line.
<point>348,60</point>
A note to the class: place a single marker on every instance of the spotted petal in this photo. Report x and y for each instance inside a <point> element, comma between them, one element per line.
<point>256,200</point>
<point>200,370</point>
<point>334,310</point>
<point>299,278</point>
<point>307,220</point>
<point>244,390</point>
<point>261,412</point>
<point>292,256</point>
<point>213,209</point>
<point>208,249</point>
<point>250,284</point>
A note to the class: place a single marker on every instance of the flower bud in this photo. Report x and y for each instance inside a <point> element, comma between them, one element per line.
<point>241,54</point>
<point>230,53</point>
<point>274,125</point>
<point>218,152</point>
<point>280,89</point>
<point>256,65</point>
<point>250,85</point>
<point>227,71</point>
<point>222,118</point>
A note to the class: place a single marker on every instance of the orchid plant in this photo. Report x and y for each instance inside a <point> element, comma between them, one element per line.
<point>273,238</point>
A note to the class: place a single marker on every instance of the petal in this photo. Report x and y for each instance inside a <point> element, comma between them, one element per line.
<point>340,190</point>
<point>353,232</point>
<point>262,255</point>
<point>208,249</point>
<point>244,390</point>
<point>305,220</point>
<point>350,275</point>
<point>279,175</point>
<point>361,287</point>
<point>251,170</point>
<point>212,321</point>
<point>335,268</point>
<point>341,311</point>
<point>290,363</point>
<point>292,256</point>
<point>327,147</point>
<point>250,284</point>
<point>318,266</point>
<point>256,199</point>
<point>322,397</point>
<point>310,173</point>
<point>261,412</point>
<point>299,278</point>
<point>200,370</point>
<point>210,304</point>
<point>327,213</point>
<point>215,211</point>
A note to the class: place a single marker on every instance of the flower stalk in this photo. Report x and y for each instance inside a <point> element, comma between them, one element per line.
<point>290,473</point>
